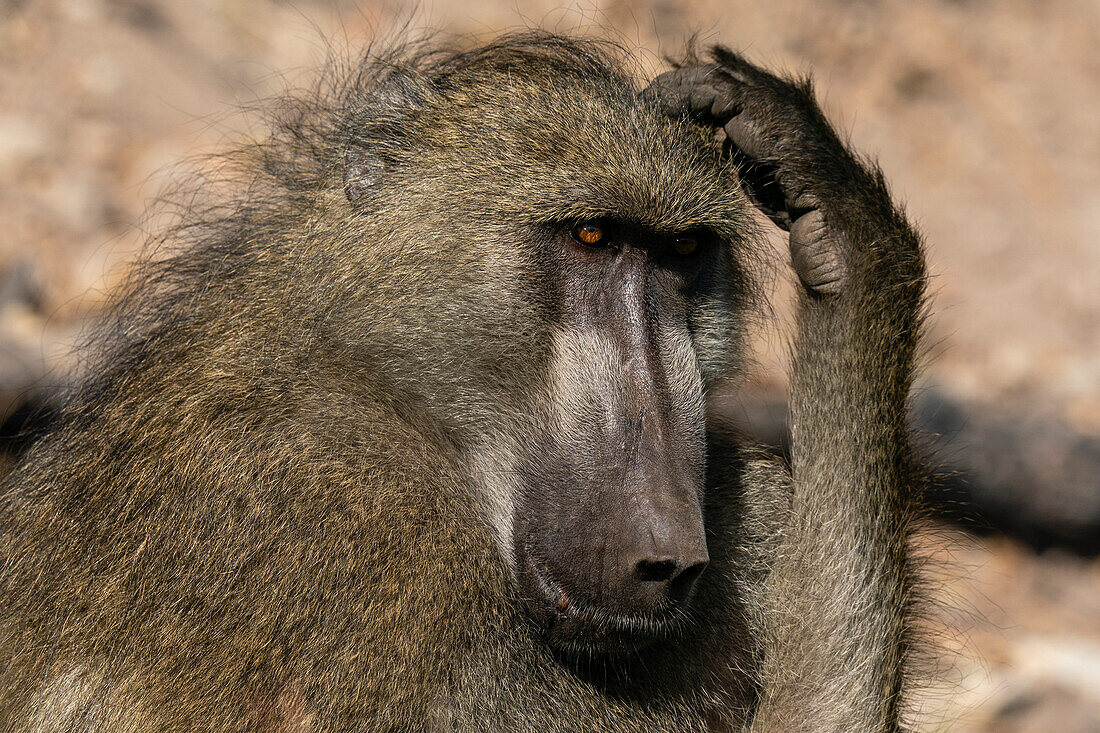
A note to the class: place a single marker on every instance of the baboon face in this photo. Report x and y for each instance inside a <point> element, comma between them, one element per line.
<point>572,285</point>
<point>610,539</point>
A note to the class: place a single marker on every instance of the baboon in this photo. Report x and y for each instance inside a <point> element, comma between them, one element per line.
<point>412,433</point>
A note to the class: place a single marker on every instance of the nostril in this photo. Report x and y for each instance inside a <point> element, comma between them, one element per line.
<point>678,580</point>
<point>680,588</point>
<point>655,571</point>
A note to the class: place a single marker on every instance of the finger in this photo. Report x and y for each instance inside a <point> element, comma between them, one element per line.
<point>816,254</point>
<point>747,136</point>
<point>673,89</point>
<point>702,97</point>
<point>696,90</point>
<point>728,103</point>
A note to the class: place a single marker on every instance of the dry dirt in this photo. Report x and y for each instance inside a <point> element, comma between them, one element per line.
<point>984,115</point>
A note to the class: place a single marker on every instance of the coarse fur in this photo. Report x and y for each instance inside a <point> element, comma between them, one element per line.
<point>285,500</point>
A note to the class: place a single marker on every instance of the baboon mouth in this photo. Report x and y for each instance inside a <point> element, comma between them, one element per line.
<point>579,628</point>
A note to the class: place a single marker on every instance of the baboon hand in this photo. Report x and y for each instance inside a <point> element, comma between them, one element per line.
<point>789,159</point>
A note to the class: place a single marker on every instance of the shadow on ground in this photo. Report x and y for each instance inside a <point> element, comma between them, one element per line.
<point>1027,475</point>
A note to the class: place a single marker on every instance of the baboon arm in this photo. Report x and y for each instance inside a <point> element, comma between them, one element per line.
<point>835,641</point>
<point>834,621</point>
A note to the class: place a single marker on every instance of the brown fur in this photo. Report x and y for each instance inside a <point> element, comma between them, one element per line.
<point>262,513</point>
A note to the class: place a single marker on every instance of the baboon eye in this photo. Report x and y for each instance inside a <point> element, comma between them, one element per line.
<point>685,245</point>
<point>589,234</point>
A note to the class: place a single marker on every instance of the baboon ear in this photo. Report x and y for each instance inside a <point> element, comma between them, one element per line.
<point>383,116</point>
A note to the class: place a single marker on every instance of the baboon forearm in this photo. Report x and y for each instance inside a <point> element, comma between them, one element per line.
<point>835,648</point>
<point>835,601</point>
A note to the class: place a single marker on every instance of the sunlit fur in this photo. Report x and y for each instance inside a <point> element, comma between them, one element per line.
<point>270,508</point>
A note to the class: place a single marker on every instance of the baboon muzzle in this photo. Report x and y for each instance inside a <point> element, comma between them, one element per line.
<point>617,558</point>
<point>612,540</point>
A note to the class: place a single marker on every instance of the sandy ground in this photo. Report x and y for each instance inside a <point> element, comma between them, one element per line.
<point>982,113</point>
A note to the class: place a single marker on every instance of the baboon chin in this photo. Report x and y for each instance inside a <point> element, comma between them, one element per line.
<point>411,432</point>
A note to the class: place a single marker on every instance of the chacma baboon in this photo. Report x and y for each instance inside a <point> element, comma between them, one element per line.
<point>412,435</point>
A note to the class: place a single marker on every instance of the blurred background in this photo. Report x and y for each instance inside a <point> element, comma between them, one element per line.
<point>983,114</point>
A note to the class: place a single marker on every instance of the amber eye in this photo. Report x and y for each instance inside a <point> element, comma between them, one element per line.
<point>685,246</point>
<point>589,234</point>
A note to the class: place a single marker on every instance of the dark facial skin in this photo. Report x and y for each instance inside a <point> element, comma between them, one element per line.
<point>610,540</point>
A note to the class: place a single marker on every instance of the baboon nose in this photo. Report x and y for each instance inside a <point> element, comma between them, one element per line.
<point>672,578</point>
